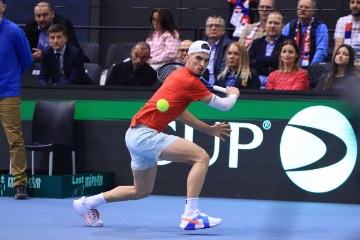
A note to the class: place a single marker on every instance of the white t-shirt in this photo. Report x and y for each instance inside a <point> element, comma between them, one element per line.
<point>354,41</point>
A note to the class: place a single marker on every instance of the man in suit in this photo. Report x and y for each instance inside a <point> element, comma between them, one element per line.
<point>215,33</point>
<point>61,62</point>
<point>36,30</point>
<point>264,52</point>
<point>135,71</point>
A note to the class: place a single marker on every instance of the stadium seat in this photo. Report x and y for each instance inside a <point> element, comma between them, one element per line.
<point>117,52</point>
<point>92,50</point>
<point>31,75</point>
<point>52,126</point>
<point>316,70</point>
<point>93,70</point>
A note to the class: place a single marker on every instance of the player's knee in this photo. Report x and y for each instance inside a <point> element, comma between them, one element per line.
<point>142,193</point>
<point>204,157</point>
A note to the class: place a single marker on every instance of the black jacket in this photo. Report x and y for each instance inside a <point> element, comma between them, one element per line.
<point>33,32</point>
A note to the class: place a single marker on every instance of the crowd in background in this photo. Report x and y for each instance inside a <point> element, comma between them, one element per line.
<point>271,54</point>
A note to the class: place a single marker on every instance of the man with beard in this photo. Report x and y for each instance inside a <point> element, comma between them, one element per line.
<point>134,71</point>
<point>36,29</point>
<point>347,30</point>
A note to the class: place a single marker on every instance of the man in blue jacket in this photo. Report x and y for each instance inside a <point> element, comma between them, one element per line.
<point>15,55</point>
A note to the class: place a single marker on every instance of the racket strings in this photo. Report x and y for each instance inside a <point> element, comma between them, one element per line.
<point>165,71</point>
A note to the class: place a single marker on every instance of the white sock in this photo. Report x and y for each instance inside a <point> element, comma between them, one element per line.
<point>96,200</point>
<point>190,206</point>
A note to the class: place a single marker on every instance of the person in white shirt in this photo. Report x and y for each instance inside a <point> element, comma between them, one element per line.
<point>347,30</point>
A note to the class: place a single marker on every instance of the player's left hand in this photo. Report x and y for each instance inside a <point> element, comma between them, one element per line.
<point>220,130</point>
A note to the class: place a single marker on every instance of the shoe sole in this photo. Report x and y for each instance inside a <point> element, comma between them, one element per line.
<point>189,229</point>
<point>21,197</point>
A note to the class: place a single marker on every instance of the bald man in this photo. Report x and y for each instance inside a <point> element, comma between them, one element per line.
<point>36,29</point>
<point>183,50</point>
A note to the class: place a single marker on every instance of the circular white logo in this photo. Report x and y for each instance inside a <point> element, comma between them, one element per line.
<point>306,158</point>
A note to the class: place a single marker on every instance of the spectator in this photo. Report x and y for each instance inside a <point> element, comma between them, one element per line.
<point>61,62</point>
<point>15,55</point>
<point>289,76</point>
<point>257,30</point>
<point>264,52</point>
<point>310,34</point>
<point>347,30</point>
<point>237,72</point>
<point>164,39</point>
<point>134,71</point>
<point>36,30</point>
<point>215,31</point>
<point>183,50</point>
<point>342,77</point>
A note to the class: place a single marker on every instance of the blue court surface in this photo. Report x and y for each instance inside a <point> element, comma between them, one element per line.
<point>158,217</point>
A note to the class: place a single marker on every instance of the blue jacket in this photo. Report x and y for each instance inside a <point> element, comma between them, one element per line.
<point>15,55</point>
<point>74,71</point>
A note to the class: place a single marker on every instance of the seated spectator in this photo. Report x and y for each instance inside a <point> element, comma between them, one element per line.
<point>36,30</point>
<point>310,34</point>
<point>257,30</point>
<point>264,52</point>
<point>182,51</point>
<point>289,76</point>
<point>61,62</point>
<point>164,39</point>
<point>237,72</point>
<point>342,78</point>
<point>135,71</point>
<point>215,36</point>
<point>348,29</point>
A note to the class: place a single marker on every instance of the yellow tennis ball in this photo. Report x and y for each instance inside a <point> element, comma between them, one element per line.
<point>162,105</point>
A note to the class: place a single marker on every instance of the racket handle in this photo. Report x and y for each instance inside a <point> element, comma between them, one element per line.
<point>219,89</point>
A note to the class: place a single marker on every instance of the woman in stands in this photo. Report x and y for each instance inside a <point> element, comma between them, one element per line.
<point>289,76</point>
<point>164,39</point>
<point>237,72</point>
<point>342,76</point>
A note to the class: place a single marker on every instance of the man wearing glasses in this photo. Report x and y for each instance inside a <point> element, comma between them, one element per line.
<point>215,31</point>
<point>134,71</point>
<point>183,50</point>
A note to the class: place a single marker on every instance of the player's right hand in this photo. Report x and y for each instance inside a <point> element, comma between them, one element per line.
<point>232,90</point>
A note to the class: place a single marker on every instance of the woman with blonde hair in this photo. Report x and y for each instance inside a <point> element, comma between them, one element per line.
<point>237,72</point>
<point>289,76</point>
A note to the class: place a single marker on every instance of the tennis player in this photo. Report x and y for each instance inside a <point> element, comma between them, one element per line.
<point>147,143</point>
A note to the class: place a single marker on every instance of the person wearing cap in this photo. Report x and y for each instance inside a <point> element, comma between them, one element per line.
<point>148,144</point>
<point>15,55</point>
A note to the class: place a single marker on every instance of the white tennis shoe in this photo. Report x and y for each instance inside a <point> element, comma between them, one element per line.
<point>90,215</point>
<point>198,220</point>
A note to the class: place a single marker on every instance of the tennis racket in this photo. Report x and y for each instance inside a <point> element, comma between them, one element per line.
<point>164,71</point>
